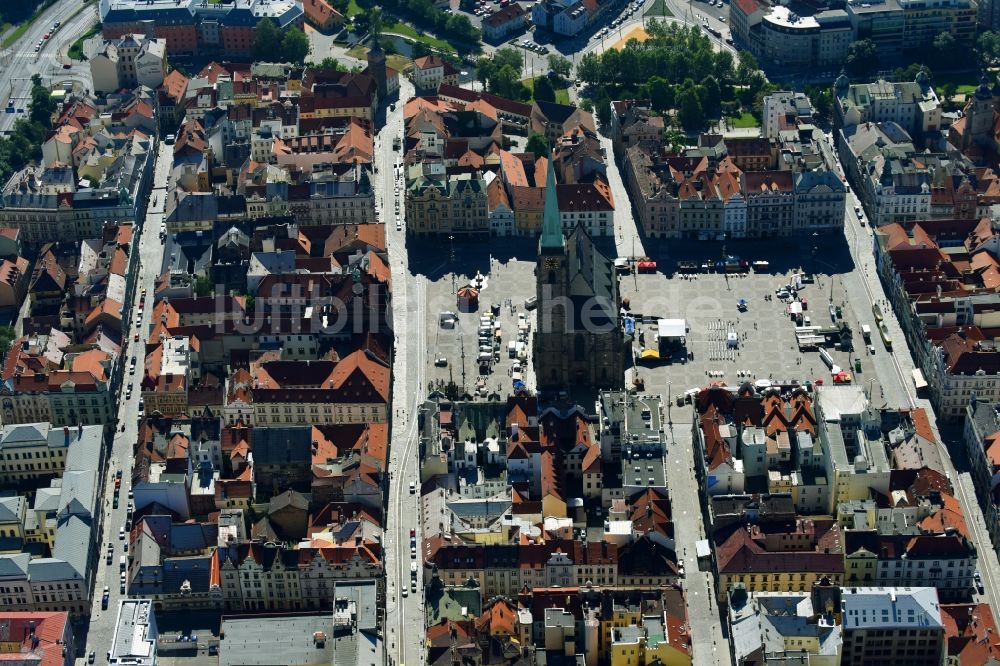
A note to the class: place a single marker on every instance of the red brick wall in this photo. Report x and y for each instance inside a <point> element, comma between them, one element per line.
<point>180,39</point>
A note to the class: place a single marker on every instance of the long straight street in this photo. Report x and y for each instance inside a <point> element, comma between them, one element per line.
<point>146,239</point>
<point>404,615</point>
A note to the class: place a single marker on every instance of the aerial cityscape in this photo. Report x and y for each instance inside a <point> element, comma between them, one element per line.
<point>500,332</point>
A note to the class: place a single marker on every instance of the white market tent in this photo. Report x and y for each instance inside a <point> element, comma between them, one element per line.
<point>671,328</point>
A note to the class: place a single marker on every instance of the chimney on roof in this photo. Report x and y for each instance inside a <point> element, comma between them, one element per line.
<point>66,435</point>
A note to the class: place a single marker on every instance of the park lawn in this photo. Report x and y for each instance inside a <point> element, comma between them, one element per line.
<point>407,30</point>
<point>743,120</point>
<point>76,49</point>
<point>359,51</point>
<point>965,82</point>
<point>562,94</point>
<point>659,8</point>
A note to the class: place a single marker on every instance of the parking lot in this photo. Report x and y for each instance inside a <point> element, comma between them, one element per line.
<point>766,347</point>
<point>456,348</point>
<point>507,277</point>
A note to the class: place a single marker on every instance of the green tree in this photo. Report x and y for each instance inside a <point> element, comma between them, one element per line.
<point>329,64</point>
<point>267,40</point>
<point>340,5</point>
<point>674,139</point>
<point>944,44</point>
<point>420,50</point>
<point>544,91</point>
<point>507,82</point>
<point>747,66</point>
<point>203,286</point>
<point>294,45</point>
<point>689,112</point>
<point>538,145</point>
<point>7,335</point>
<point>988,49</point>
<point>822,101</point>
<point>508,56</point>
<point>948,91</point>
<point>660,93</point>
<point>485,69</point>
<point>42,104</point>
<point>862,58</point>
<point>711,96</point>
<point>560,65</point>
<point>909,73</point>
<point>724,67</point>
<point>589,69</point>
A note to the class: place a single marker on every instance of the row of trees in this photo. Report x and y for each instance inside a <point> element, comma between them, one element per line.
<point>24,143</point>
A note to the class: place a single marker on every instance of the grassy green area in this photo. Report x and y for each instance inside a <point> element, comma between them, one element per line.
<point>965,82</point>
<point>407,30</point>
<point>353,9</point>
<point>659,8</point>
<point>76,49</point>
<point>562,94</point>
<point>360,52</point>
<point>743,120</point>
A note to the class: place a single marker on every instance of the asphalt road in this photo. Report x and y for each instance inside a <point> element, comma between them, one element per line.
<point>404,615</point>
<point>20,62</point>
<point>151,255</point>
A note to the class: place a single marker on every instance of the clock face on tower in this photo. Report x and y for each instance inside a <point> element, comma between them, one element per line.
<point>552,262</point>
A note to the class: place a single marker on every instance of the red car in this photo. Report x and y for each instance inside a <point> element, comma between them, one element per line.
<point>413,533</point>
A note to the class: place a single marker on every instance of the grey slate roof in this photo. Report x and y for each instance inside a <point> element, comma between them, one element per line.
<point>282,445</point>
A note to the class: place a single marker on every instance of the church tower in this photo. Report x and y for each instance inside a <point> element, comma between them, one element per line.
<point>979,115</point>
<point>376,67</point>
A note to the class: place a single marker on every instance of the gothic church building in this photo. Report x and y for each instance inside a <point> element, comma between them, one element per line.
<point>579,342</point>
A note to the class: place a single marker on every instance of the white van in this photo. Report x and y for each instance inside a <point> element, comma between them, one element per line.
<point>123,563</point>
<point>512,349</point>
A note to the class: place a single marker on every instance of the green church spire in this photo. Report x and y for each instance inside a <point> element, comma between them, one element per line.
<point>552,233</point>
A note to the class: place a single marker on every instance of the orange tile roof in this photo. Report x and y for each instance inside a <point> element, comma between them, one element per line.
<point>498,618</point>
<point>949,516</point>
<point>970,633</point>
